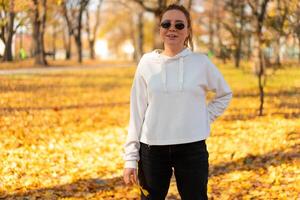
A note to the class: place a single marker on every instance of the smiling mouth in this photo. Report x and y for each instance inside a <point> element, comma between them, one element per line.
<point>171,36</point>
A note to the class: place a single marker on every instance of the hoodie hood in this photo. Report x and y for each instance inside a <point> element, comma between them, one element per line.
<point>180,60</point>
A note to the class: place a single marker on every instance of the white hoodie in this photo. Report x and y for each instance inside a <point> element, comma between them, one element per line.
<point>168,101</point>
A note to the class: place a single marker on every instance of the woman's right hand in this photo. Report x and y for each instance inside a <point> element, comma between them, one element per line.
<point>130,176</point>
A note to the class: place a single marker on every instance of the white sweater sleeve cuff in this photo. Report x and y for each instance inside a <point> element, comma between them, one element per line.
<point>130,164</point>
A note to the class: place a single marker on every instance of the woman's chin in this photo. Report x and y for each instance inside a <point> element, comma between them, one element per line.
<point>172,42</point>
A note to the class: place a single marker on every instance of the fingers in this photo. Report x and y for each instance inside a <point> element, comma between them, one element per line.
<point>133,177</point>
<point>126,177</point>
<point>130,176</point>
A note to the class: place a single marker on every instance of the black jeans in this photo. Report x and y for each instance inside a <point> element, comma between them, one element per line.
<point>189,162</point>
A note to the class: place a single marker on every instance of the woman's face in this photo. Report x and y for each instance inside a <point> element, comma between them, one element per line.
<point>173,36</point>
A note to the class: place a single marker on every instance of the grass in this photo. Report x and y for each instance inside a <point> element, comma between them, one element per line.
<point>62,135</point>
<point>29,63</point>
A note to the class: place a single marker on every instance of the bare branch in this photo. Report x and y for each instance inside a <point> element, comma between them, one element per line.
<point>97,18</point>
<point>149,9</point>
<point>252,7</point>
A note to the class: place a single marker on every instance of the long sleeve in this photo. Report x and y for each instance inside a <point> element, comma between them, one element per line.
<point>138,106</point>
<point>223,93</point>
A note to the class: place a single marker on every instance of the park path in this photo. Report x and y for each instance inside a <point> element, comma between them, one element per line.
<point>44,70</point>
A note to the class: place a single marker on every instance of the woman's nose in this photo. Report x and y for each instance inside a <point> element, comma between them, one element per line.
<point>172,28</point>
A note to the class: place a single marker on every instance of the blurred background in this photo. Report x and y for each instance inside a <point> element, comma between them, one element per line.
<point>66,72</point>
<point>124,29</point>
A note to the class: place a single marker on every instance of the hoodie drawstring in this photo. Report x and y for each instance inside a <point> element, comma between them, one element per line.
<point>164,77</point>
<point>180,75</point>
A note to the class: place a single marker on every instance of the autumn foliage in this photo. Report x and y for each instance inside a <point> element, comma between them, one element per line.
<point>62,135</point>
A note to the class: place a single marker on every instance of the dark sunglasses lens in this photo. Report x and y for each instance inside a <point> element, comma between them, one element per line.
<point>166,24</point>
<point>179,26</point>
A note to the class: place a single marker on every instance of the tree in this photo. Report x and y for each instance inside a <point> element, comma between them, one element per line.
<point>259,11</point>
<point>67,37</point>
<point>78,27</point>
<point>55,26</point>
<point>73,13</point>
<point>9,32</point>
<point>294,18</point>
<point>211,25</point>
<point>91,29</point>
<point>120,28</point>
<point>39,24</point>
<point>11,18</point>
<point>140,37</point>
<point>211,20</point>
<point>137,32</point>
<point>130,21</point>
<point>156,9</point>
<point>277,20</point>
<point>236,26</point>
<point>189,4</point>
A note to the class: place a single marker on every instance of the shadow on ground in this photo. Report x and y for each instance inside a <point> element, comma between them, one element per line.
<point>58,108</point>
<point>88,187</point>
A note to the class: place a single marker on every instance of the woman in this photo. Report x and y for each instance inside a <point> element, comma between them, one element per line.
<point>169,118</point>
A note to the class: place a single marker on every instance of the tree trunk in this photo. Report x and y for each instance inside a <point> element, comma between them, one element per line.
<point>160,6</point>
<point>77,34</point>
<point>260,81</point>
<point>157,41</point>
<point>140,36</point>
<point>38,34</point>
<point>218,27</point>
<point>189,5</point>
<point>91,36</point>
<point>94,30</point>
<point>54,42</point>
<point>68,39</point>
<point>261,62</point>
<point>79,46</point>
<point>237,56</point>
<point>7,56</point>
<point>134,43</point>
<point>92,49</point>
<point>238,51</point>
<point>240,36</point>
<point>277,51</point>
<point>68,45</point>
<point>249,47</point>
<point>299,48</point>
<point>8,43</point>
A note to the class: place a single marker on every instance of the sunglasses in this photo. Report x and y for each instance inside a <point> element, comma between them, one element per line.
<point>167,24</point>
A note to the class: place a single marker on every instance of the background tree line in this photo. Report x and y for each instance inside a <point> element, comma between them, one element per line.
<point>231,26</point>
<point>259,31</point>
